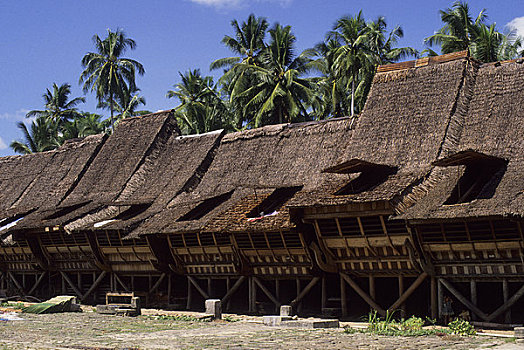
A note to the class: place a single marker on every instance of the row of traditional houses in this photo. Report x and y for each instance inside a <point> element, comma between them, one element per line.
<point>421,197</point>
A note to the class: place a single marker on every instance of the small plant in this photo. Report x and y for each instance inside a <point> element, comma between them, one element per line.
<point>230,319</point>
<point>182,318</point>
<point>412,324</point>
<point>461,327</point>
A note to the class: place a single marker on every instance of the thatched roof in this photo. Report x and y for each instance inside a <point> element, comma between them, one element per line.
<point>174,168</point>
<point>493,129</point>
<point>38,182</point>
<point>250,165</point>
<point>412,116</point>
<point>133,140</point>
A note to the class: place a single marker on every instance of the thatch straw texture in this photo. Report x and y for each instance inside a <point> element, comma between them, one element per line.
<point>494,126</point>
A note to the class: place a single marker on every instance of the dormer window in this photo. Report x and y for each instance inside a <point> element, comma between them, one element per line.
<point>274,202</point>
<point>205,207</point>
<point>132,211</point>
<point>480,178</point>
<point>370,175</point>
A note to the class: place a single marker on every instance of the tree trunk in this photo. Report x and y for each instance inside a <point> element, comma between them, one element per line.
<point>353,95</point>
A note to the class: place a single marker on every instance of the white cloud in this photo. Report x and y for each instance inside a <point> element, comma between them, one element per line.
<point>16,116</point>
<point>517,24</point>
<point>2,144</point>
<point>238,3</point>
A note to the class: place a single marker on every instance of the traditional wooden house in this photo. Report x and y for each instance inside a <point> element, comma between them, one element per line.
<point>235,223</point>
<point>410,119</point>
<point>470,226</point>
<point>31,184</point>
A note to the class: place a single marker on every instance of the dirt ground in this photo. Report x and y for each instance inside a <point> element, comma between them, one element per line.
<point>89,330</point>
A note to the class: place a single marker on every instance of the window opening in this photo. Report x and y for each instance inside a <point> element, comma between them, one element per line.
<point>132,211</point>
<point>205,207</point>
<point>474,180</point>
<point>65,211</point>
<point>366,181</point>
<point>274,202</point>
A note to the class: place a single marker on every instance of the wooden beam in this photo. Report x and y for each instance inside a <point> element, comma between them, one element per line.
<point>198,288</point>
<point>400,293</point>
<point>252,295</point>
<point>117,278</point>
<point>434,302</point>
<point>267,292</point>
<point>15,281</point>
<point>343,297</point>
<point>40,278</point>
<point>305,291</point>
<point>463,300</point>
<point>72,285</point>
<point>507,305</point>
<point>409,291</point>
<point>323,296</point>
<point>440,297</point>
<point>505,295</point>
<point>363,294</point>
<point>94,285</point>
<point>157,284</point>
<point>188,303</point>
<point>233,289</point>
<point>473,294</point>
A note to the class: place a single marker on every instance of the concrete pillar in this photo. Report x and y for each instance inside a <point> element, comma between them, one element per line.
<point>285,310</point>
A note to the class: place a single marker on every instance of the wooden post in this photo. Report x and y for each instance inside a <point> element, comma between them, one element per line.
<point>434,302</point>
<point>64,286</point>
<point>169,289</point>
<point>505,294</point>
<point>188,305</point>
<point>228,286</point>
<point>473,292</point>
<point>400,292</point>
<point>209,286</point>
<point>372,291</point>
<point>440,292</point>
<point>343,301</point>
<point>323,300</point>
<point>277,289</point>
<point>252,295</point>
<point>299,306</point>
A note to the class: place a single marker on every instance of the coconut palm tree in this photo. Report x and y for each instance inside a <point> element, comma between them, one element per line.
<point>459,31</point>
<point>491,45</point>
<point>247,43</point>
<point>355,54</point>
<point>107,72</point>
<point>58,108</point>
<point>201,109</point>
<point>126,106</point>
<point>41,136</point>
<point>275,91</point>
<point>82,126</point>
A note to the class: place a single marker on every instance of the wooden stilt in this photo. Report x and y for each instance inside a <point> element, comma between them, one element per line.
<point>188,305</point>
<point>473,293</point>
<point>363,294</point>
<point>463,300</point>
<point>64,286</point>
<point>372,291</point>
<point>197,287</point>
<point>277,289</point>
<point>400,292</point>
<point>323,297</point>
<point>434,302</point>
<point>267,293</point>
<point>505,294</point>
<point>305,291</point>
<point>299,305</point>
<point>440,292</point>
<point>23,281</point>
<point>94,285</point>
<point>72,285</point>
<point>132,282</point>
<point>252,295</point>
<point>233,289</point>
<point>343,301</point>
<point>37,283</point>
<point>169,289</point>
<point>228,286</point>
<point>209,292</point>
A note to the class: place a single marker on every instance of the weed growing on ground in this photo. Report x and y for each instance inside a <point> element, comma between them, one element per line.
<point>230,319</point>
<point>412,327</point>
<point>182,318</point>
<point>461,327</point>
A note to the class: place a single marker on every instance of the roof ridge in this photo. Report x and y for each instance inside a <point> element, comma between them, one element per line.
<point>424,61</point>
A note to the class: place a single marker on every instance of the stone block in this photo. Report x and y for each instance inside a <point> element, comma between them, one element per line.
<point>313,323</point>
<point>285,310</point>
<point>519,332</point>
<point>214,308</point>
<point>276,320</point>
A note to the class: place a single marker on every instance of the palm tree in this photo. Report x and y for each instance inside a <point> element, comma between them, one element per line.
<point>57,106</point>
<point>42,136</point>
<point>126,105</point>
<point>355,54</point>
<point>107,72</point>
<point>459,31</point>
<point>491,45</point>
<point>247,42</point>
<point>82,126</point>
<point>201,109</point>
<point>279,92</point>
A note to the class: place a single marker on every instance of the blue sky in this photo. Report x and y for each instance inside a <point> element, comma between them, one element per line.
<point>44,41</point>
